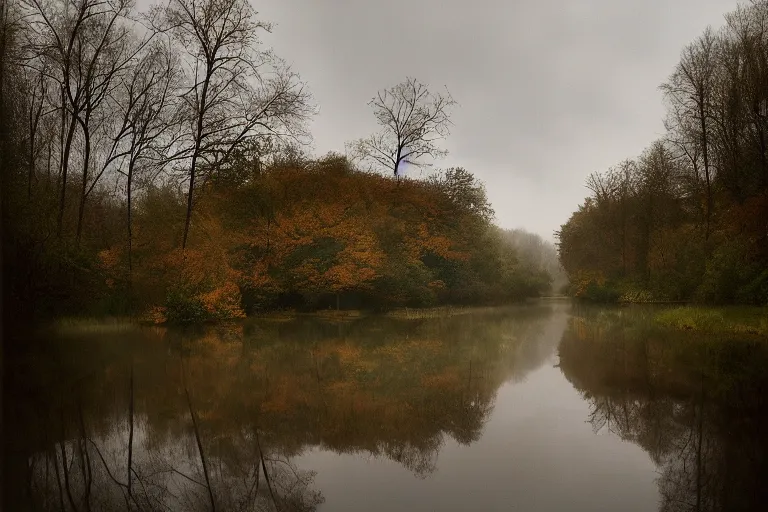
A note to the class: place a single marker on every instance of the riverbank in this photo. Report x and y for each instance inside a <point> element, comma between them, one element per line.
<point>721,320</point>
<point>116,324</point>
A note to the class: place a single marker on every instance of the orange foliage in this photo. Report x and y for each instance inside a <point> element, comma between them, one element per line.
<point>312,235</point>
<point>109,264</point>
<point>224,301</point>
<point>750,220</point>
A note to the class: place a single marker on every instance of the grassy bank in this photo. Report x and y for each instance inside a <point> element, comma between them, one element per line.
<point>731,320</point>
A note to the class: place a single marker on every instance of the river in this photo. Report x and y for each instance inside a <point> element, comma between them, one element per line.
<point>542,407</point>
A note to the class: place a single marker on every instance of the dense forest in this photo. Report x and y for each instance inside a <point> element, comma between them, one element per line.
<point>688,219</point>
<point>154,163</point>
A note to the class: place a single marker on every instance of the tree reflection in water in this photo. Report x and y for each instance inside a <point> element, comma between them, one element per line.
<point>696,404</point>
<point>212,418</point>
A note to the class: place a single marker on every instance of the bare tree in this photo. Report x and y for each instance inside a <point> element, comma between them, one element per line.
<point>113,50</point>
<point>89,43</point>
<point>413,120</point>
<point>148,123</point>
<point>747,29</point>
<point>238,92</point>
<point>689,91</point>
<point>36,90</point>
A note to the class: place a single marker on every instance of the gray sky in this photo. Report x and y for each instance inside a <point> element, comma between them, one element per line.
<point>549,90</point>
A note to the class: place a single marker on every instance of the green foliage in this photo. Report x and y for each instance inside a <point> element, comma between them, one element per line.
<point>603,293</point>
<point>741,320</point>
<point>724,275</point>
<point>755,291</point>
<point>691,318</point>
<point>183,306</point>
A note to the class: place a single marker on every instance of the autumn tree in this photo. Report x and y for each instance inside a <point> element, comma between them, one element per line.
<point>118,122</point>
<point>686,219</point>
<point>413,121</point>
<point>236,90</point>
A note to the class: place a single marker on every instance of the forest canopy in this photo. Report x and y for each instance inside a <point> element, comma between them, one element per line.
<point>688,219</point>
<point>153,164</point>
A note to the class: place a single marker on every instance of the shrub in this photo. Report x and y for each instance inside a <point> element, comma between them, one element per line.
<point>756,290</point>
<point>184,306</point>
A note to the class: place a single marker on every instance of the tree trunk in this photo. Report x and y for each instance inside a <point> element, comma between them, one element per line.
<point>189,202</point>
<point>33,123</point>
<point>705,152</point>
<point>763,156</point>
<point>83,191</point>
<point>31,168</point>
<point>195,155</point>
<point>129,219</point>
<point>48,170</point>
<point>397,164</point>
<point>64,171</point>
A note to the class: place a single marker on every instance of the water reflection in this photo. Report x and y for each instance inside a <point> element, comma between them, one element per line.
<point>212,419</point>
<point>697,405</point>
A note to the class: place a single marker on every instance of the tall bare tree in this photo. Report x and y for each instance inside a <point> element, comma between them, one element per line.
<point>148,125</point>
<point>689,91</point>
<point>237,92</point>
<point>747,29</point>
<point>36,89</point>
<point>89,43</point>
<point>413,120</point>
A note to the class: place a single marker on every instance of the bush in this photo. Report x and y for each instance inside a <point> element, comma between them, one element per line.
<point>731,277</point>
<point>735,320</point>
<point>756,290</point>
<point>183,306</point>
<point>606,293</point>
<point>593,286</point>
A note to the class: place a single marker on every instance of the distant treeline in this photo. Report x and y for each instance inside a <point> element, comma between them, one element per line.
<point>688,219</point>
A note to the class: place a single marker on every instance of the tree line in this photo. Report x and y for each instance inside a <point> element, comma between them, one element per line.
<point>152,162</point>
<point>687,219</point>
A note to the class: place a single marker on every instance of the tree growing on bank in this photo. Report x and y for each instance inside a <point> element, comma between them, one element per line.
<point>237,91</point>
<point>413,121</point>
<point>689,92</point>
<point>149,124</point>
<point>82,46</point>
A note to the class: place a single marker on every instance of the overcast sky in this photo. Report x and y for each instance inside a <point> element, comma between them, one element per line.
<point>549,90</point>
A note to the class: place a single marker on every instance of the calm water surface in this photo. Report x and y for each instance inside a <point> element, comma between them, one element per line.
<point>537,407</point>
